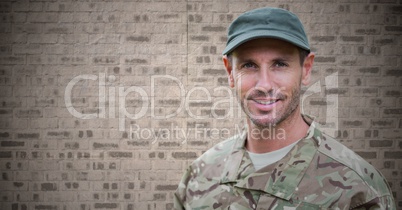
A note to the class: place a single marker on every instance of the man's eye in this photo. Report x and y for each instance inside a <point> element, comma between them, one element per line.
<point>280,64</point>
<point>249,65</point>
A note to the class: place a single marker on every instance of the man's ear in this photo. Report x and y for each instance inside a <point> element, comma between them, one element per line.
<point>228,67</point>
<point>307,68</point>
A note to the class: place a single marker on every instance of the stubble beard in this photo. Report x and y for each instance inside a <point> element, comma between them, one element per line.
<point>276,116</point>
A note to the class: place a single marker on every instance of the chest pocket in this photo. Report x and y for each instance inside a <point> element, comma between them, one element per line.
<point>267,202</point>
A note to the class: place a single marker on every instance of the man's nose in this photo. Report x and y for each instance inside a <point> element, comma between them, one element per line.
<point>264,80</point>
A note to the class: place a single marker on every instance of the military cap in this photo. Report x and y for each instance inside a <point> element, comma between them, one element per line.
<point>266,22</point>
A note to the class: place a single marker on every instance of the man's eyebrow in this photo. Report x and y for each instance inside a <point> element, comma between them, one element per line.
<point>245,60</point>
<point>281,60</point>
<point>284,58</point>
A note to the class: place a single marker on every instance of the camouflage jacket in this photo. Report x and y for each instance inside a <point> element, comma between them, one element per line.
<point>318,173</point>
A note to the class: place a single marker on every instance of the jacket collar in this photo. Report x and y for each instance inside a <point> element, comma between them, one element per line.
<point>279,179</point>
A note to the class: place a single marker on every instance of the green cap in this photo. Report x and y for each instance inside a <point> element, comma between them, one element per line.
<point>266,23</point>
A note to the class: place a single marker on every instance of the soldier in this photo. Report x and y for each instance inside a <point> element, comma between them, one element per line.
<point>268,58</point>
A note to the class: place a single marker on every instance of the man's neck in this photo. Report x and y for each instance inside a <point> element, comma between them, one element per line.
<point>268,139</point>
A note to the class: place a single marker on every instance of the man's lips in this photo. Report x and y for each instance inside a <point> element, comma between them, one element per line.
<point>265,105</point>
<point>265,101</point>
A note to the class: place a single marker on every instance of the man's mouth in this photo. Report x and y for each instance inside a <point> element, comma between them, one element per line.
<point>266,102</point>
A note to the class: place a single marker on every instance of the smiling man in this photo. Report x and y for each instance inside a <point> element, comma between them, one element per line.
<point>268,59</point>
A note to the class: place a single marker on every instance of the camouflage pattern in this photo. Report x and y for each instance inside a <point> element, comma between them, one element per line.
<point>318,173</point>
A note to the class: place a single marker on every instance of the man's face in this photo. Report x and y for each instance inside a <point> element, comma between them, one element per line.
<point>267,75</point>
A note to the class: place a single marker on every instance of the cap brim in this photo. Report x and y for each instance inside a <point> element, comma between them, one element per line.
<point>236,42</point>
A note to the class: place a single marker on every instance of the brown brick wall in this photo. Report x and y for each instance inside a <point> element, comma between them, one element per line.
<point>103,104</point>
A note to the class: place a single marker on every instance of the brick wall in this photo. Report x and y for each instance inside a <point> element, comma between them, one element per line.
<point>104,104</point>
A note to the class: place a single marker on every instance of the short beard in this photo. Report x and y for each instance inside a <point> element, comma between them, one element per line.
<point>279,117</point>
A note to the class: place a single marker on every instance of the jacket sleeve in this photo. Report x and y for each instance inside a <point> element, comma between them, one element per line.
<point>180,197</point>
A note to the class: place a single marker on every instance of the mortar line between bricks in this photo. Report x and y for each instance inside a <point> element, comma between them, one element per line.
<point>187,57</point>
<point>187,40</point>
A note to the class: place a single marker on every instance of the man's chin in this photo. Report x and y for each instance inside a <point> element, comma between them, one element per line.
<point>264,122</point>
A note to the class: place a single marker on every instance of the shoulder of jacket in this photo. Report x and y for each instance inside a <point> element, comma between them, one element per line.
<point>335,150</point>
